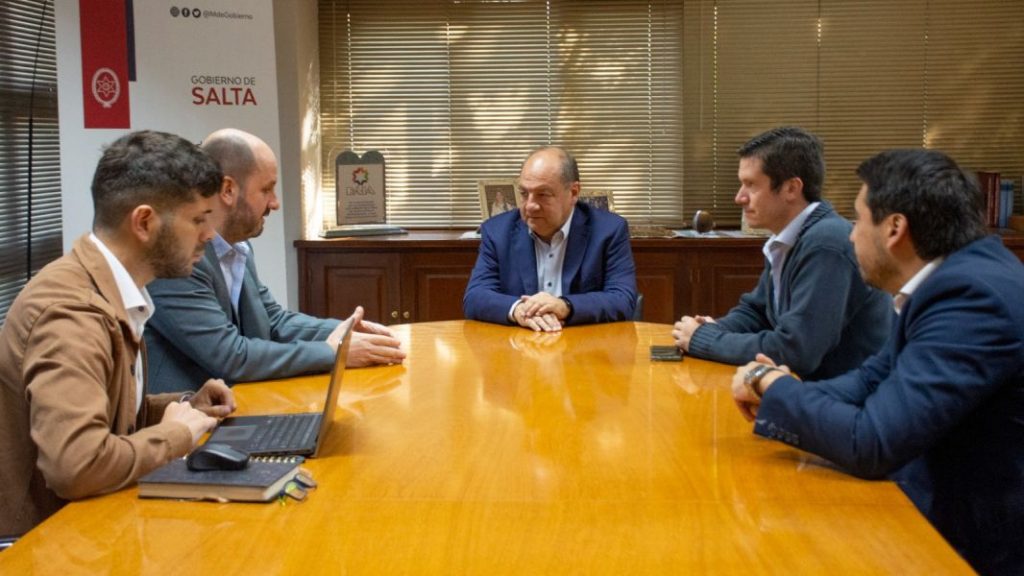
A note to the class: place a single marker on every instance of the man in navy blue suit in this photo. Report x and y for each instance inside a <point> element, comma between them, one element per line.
<point>554,262</point>
<point>940,409</point>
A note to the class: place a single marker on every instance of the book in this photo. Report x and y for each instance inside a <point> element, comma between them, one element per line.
<point>989,184</point>
<point>1005,202</point>
<point>261,481</point>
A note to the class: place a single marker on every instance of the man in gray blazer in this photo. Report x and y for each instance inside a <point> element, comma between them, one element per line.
<point>222,322</point>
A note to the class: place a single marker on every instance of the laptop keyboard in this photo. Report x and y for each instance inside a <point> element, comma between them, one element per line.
<point>285,432</point>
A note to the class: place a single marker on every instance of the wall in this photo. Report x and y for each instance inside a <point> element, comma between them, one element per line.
<point>298,73</point>
<point>170,50</point>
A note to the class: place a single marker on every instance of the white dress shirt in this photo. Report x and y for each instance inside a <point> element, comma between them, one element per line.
<point>550,261</point>
<point>901,297</point>
<point>551,258</point>
<point>779,245</point>
<point>137,304</point>
<point>232,258</point>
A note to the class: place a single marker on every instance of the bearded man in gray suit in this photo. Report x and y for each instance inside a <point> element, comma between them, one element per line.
<point>222,322</point>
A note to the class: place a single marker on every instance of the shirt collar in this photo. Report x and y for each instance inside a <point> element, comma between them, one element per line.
<point>562,232</point>
<point>903,295</point>
<point>222,248</point>
<point>791,232</point>
<point>137,302</point>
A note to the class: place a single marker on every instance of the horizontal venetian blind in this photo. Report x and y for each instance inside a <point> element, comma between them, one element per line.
<point>767,76</point>
<point>454,92</point>
<point>26,246</point>
<point>617,96</point>
<point>975,87</point>
<point>865,76</point>
<point>873,70</point>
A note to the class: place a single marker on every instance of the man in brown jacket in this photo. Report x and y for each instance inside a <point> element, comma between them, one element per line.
<point>75,420</point>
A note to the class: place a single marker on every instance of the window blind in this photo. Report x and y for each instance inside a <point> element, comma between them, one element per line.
<point>766,76</point>
<point>975,84</point>
<point>455,92</point>
<point>865,76</point>
<point>655,97</point>
<point>28,239</point>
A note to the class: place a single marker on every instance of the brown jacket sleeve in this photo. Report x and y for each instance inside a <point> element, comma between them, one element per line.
<point>81,394</point>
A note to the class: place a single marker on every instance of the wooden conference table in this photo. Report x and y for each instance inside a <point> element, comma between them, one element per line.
<point>494,450</point>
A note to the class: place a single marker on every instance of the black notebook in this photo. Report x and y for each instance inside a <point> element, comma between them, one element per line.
<point>261,481</point>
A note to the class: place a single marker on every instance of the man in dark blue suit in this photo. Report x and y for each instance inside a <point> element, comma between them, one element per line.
<point>554,262</point>
<point>940,409</point>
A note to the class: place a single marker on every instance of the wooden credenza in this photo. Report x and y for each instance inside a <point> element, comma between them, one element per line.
<point>413,277</point>
<point>421,276</point>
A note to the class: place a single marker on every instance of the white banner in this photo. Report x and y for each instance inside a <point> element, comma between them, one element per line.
<point>208,65</point>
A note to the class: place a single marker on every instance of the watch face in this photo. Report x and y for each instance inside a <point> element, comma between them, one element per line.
<point>753,377</point>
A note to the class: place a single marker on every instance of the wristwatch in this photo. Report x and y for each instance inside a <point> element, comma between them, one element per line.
<point>569,305</point>
<point>753,377</point>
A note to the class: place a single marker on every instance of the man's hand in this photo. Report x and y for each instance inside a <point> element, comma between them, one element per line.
<point>334,338</point>
<point>371,344</point>
<point>543,304</point>
<point>746,400</point>
<point>367,327</point>
<point>214,399</point>
<point>538,322</point>
<point>197,422</point>
<point>372,349</point>
<point>683,330</point>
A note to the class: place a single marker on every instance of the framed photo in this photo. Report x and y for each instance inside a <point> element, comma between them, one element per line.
<point>598,199</point>
<point>497,196</point>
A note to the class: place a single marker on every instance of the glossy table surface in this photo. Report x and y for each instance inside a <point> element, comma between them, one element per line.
<point>494,450</point>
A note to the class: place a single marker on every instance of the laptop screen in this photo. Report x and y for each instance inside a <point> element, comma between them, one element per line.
<point>333,389</point>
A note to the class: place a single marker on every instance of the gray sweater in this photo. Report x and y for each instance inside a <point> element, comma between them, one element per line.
<point>828,320</point>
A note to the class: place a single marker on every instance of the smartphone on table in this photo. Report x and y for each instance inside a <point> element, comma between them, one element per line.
<point>666,354</point>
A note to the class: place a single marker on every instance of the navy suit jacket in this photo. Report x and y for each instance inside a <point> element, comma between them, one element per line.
<point>195,334</point>
<point>598,275</point>
<point>940,409</point>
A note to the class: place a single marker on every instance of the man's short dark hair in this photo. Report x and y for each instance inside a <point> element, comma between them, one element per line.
<point>568,171</point>
<point>789,152</point>
<point>233,153</point>
<point>148,167</point>
<point>942,203</point>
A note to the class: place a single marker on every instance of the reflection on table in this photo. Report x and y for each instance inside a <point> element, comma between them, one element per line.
<point>495,450</point>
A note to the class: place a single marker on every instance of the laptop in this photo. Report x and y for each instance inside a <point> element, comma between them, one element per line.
<point>286,434</point>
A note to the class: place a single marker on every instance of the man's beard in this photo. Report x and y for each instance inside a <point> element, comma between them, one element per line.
<point>243,223</point>
<point>882,270</point>
<point>165,258</point>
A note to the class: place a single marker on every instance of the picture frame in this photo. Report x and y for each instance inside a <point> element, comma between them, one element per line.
<point>598,199</point>
<point>497,196</point>
<point>359,188</point>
